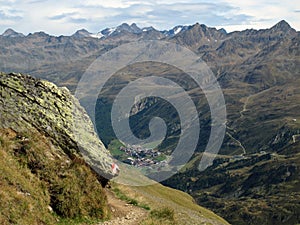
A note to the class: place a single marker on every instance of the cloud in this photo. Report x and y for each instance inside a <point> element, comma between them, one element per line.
<point>4,15</point>
<point>65,16</point>
<point>61,16</point>
<point>78,20</point>
<point>69,17</point>
<point>9,13</point>
<point>166,16</point>
<point>208,13</point>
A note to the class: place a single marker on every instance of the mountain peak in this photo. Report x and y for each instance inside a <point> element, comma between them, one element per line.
<point>282,26</point>
<point>176,30</point>
<point>124,25</point>
<point>41,34</point>
<point>222,30</point>
<point>133,28</point>
<point>133,25</point>
<point>11,33</point>
<point>81,33</point>
<point>148,29</point>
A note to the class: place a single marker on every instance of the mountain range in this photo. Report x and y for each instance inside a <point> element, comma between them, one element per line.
<point>114,31</point>
<point>259,72</point>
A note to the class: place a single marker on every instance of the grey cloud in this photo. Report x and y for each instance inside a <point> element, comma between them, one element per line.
<point>61,16</point>
<point>78,20</point>
<point>5,16</point>
<point>37,1</point>
<point>70,17</point>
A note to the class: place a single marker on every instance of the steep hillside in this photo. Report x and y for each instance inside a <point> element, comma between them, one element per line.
<point>256,189</point>
<point>164,201</point>
<point>53,166</point>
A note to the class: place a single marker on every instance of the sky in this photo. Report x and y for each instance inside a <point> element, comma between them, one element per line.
<point>64,17</point>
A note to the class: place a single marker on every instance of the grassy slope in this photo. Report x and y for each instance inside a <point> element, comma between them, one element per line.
<point>161,198</point>
<point>36,176</point>
<point>24,199</point>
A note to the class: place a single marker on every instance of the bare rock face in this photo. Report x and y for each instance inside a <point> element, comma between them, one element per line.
<point>29,103</point>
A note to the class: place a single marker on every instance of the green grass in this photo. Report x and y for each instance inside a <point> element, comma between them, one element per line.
<point>118,154</point>
<point>152,144</point>
<point>24,198</point>
<point>115,145</point>
<point>161,216</point>
<point>169,206</point>
<point>128,199</point>
<point>114,148</point>
<point>161,157</point>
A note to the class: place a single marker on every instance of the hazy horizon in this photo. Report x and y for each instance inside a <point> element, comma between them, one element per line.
<point>65,17</point>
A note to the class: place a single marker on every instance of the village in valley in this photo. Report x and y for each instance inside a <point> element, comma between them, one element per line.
<point>139,156</point>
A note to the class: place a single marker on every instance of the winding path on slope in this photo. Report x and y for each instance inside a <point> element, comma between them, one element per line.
<point>244,109</point>
<point>237,141</point>
<point>123,213</point>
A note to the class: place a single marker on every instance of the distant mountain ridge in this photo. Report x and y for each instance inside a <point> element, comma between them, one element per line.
<point>133,28</point>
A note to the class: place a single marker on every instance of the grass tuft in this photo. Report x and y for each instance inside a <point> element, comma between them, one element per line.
<point>129,200</point>
<point>163,214</point>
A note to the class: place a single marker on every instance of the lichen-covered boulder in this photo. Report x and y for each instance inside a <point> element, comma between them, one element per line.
<point>29,103</point>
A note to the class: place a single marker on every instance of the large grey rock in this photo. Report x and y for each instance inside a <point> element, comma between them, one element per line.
<point>29,103</point>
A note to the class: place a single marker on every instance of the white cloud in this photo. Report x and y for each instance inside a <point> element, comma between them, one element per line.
<point>266,12</point>
<point>66,16</point>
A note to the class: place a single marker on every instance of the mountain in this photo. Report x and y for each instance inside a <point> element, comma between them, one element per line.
<point>81,34</point>
<point>12,34</point>
<point>175,30</point>
<point>115,31</point>
<point>199,35</point>
<point>251,189</point>
<point>282,26</point>
<point>259,73</point>
<point>130,29</point>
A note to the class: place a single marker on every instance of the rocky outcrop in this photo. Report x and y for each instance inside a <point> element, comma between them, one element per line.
<point>28,103</point>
